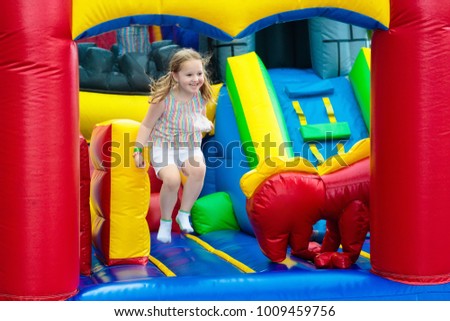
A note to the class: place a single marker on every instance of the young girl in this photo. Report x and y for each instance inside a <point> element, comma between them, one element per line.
<point>174,123</point>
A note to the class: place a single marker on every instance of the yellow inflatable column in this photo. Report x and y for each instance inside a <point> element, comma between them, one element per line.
<point>120,195</point>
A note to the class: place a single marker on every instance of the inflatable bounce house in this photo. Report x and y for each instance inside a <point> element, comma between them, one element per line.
<point>320,183</point>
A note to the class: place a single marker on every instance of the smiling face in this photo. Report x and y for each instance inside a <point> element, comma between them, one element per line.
<point>190,77</point>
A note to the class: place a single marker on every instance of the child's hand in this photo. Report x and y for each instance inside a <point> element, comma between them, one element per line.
<point>202,123</point>
<point>138,160</point>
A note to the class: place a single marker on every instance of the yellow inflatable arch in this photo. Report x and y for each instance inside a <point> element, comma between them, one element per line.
<point>221,19</point>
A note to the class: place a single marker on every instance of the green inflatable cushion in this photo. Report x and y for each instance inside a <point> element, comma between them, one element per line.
<point>213,212</point>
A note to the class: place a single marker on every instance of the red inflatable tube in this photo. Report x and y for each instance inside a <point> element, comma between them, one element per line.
<point>40,185</point>
<point>410,139</point>
<point>85,212</point>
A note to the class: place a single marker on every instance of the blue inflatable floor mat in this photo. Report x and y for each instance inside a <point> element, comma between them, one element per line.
<point>228,265</point>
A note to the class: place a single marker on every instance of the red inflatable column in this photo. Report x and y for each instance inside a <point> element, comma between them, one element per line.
<point>40,184</point>
<point>410,183</point>
<point>85,211</point>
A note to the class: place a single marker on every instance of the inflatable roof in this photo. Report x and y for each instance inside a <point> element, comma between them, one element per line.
<point>236,19</point>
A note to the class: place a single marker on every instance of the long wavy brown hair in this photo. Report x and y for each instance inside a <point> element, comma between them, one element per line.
<point>161,88</point>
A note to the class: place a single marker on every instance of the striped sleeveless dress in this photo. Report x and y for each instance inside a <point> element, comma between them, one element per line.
<point>175,127</point>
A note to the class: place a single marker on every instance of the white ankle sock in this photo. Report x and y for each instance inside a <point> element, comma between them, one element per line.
<point>183,222</point>
<point>164,232</point>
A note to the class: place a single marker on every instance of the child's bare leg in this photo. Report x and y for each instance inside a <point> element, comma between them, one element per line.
<point>168,196</point>
<point>195,170</point>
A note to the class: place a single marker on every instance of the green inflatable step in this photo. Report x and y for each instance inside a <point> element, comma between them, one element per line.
<point>318,132</point>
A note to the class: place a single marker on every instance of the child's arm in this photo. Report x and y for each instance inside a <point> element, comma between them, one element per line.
<point>204,104</point>
<point>204,114</point>
<point>154,112</point>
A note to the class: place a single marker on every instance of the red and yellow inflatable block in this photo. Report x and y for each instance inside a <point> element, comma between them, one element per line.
<point>120,195</point>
